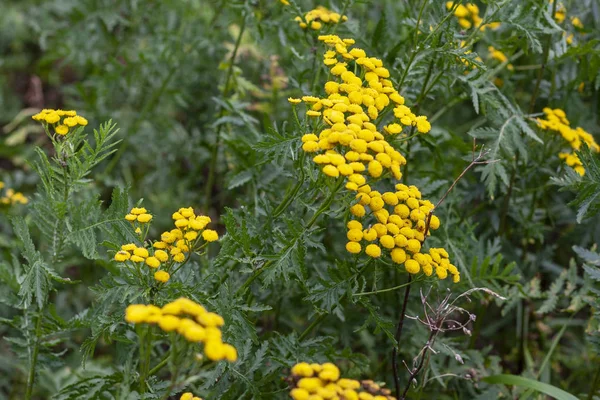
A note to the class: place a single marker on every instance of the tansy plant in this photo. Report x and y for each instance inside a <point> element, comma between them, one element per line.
<point>168,255</point>
<point>350,171</point>
<point>351,145</point>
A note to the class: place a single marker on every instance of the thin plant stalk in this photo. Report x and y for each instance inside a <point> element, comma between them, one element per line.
<point>324,207</point>
<point>215,151</point>
<point>398,335</point>
<point>34,357</point>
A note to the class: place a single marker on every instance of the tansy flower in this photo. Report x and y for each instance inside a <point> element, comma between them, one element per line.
<point>324,381</point>
<point>162,276</point>
<point>352,146</point>
<point>188,319</point>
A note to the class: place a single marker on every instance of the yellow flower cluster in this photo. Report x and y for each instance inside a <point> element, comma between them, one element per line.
<point>61,120</point>
<point>499,56</point>
<point>190,320</point>
<point>319,16</point>
<point>556,120</point>
<point>175,245</point>
<point>138,214</point>
<point>352,146</point>
<point>400,230</point>
<point>349,112</point>
<point>323,381</point>
<point>468,16</point>
<point>561,12</point>
<point>11,197</point>
<point>189,396</point>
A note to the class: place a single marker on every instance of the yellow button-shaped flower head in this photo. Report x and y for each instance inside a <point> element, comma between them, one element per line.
<point>302,369</point>
<point>162,276</point>
<point>61,129</point>
<point>144,218</point>
<point>128,247</point>
<point>186,396</point>
<point>310,384</point>
<point>353,247</point>
<point>387,241</point>
<point>441,272</point>
<point>375,168</point>
<point>210,235</point>
<point>398,255</point>
<point>169,323</point>
<point>161,255</point>
<point>358,210</point>
<point>153,262</point>
<point>434,222</point>
<point>140,252</point>
<point>330,372</point>
<point>299,394</point>
<point>412,266</point>
<point>355,235</point>
<point>413,245</point>
<point>331,170</point>
<point>122,255</point>
<point>194,333</point>
<point>230,352</point>
<point>136,313</point>
<point>373,250</point>
<point>214,350</point>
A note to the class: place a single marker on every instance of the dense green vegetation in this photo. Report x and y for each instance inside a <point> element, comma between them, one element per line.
<point>246,199</point>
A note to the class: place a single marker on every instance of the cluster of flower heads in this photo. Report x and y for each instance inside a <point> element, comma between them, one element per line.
<point>561,15</point>
<point>352,146</point>
<point>323,381</point>
<point>468,16</point>
<point>401,230</point>
<point>190,320</point>
<point>556,120</point>
<point>189,396</point>
<point>175,245</point>
<point>11,197</point>
<point>62,121</point>
<point>315,19</point>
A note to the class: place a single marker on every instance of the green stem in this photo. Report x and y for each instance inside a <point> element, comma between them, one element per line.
<point>160,365</point>
<point>257,272</point>
<point>292,194</point>
<point>531,109</point>
<point>312,326</point>
<point>398,335</point>
<point>386,290</point>
<point>595,385</point>
<point>34,356</point>
<point>541,70</point>
<point>346,4</point>
<point>215,151</point>
<point>145,352</point>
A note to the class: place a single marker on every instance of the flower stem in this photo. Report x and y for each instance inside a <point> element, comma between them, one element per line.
<point>398,335</point>
<point>257,272</point>
<point>215,151</point>
<point>34,357</point>
<point>145,352</point>
<point>312,326</point>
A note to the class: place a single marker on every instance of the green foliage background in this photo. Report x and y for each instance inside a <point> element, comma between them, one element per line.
<point>191,127</point>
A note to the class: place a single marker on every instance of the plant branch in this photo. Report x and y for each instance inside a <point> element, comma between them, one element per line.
<point>215,151</point>
<point>34,357</point>
<point>398,334</point>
